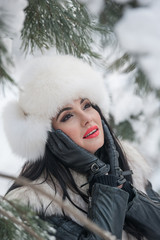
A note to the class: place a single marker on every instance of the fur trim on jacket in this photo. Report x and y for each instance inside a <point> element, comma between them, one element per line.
<point>40,204</point>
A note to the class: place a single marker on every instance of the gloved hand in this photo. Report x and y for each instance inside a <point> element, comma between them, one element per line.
<point>113,158</point>
<point>74,156</point>
<point>128,187</point>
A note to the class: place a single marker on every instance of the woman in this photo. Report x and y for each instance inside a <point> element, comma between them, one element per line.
<point>59,124</point>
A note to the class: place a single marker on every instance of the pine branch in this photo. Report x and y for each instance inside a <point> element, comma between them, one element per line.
<point>64,25</point>
<point>85,221</point>
<point>13,219</point>
<point>122,64</point>
<point>5,60</point>
<point>108,18</point>
<point>111,13</point>
<point>11,230</point>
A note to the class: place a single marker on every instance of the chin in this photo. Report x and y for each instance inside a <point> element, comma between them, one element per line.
<point>93,149</point>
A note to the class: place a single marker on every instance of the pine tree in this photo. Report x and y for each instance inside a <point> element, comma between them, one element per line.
<point>65,25</point>
<point>70,28</point>
<point>127,63</point>
<point>20,222</point>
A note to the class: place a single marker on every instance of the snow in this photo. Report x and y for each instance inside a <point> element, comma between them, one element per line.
<point>92,5</point>
<point>123,95</point>
<point>126,104</point>
<point>13,15</point>
<point>139,33</point>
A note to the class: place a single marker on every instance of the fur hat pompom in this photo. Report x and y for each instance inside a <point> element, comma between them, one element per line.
<point>27,135</point>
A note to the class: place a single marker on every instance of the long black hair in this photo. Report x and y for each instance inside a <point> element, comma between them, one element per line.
<point>51,168</point>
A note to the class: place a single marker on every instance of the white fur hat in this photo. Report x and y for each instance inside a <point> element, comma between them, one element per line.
<point>47,84</point>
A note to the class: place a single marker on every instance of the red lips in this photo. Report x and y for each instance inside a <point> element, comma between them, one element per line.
<point>89,131</point>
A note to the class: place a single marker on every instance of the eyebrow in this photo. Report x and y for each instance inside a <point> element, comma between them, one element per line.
<point>68,108</point>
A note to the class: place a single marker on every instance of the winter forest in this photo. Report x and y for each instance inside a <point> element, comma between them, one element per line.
<point>119,38</point>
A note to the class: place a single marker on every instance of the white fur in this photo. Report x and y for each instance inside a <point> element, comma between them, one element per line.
<point>138,164</point>
<point>47,84</point>
<point>26,195</point>
<point>27,135</point>
<point>39,203</point>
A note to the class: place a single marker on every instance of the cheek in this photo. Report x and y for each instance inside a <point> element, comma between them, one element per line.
<point>97,118</point>
<point>72,131</point>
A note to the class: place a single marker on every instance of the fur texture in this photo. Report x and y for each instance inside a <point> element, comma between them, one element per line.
<point>27,135</point>
<point>47,84</point>
<point>38,203</point>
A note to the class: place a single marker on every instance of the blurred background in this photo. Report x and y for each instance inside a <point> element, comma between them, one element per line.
<point>119,38</point>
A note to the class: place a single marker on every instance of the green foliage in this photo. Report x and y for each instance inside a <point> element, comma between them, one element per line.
<point>68,26</point>
<point>7,229</point>
<point>123,64</point>
<point>123,129</point>
<point>143,86</point>
<point>111,14</point>
<point>4,63</point>
<point>10,230</point>
<point>65,25</point>
<point>5,60</point>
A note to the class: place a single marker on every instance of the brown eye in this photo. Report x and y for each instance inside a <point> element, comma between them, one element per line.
<point>66,117</point>
<point>87,105</point>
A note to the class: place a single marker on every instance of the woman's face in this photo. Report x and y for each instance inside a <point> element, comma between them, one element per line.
<point>82,123</point>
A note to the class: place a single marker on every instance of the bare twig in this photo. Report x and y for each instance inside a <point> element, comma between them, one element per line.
<point>84,220</point>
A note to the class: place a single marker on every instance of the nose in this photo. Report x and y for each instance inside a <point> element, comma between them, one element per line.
<point>85,118</point>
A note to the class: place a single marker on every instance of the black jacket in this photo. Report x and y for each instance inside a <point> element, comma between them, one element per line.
<point>109,208</point>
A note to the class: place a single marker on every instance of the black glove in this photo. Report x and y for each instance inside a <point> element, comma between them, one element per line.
<point>128,187</point>
<point>113,158</point>
<point>75,157</point>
